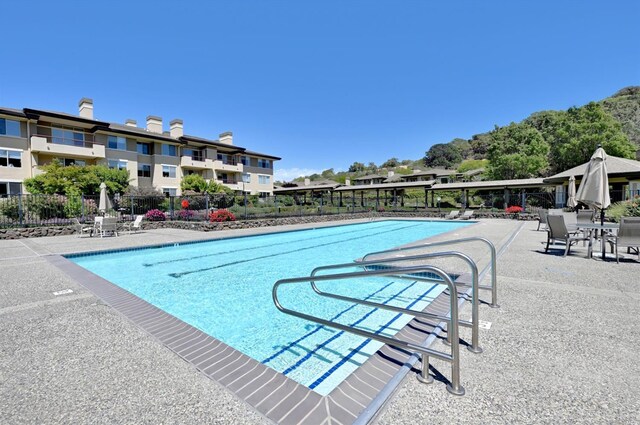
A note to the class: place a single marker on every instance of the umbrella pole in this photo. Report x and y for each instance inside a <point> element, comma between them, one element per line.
<point>604,248</point>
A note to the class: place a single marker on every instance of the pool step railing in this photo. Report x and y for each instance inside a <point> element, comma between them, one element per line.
<point>397,272</point>
<point>494,281</point>
<point>454,387</point>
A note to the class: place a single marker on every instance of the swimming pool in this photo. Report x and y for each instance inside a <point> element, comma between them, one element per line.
<point>224,287</point>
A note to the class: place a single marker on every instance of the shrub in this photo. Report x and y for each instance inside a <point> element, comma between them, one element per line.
<point>9,208</point>
<point>221,215</point>
<point>515,209</point>
<point>155,215</point>
<point>185,215</point>
<point>46,207</point>
<point>629,208</point>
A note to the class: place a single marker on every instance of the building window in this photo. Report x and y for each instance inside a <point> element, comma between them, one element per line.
<point>264,179</point>
<point>62,136</point>
<point>244,160</point>
<point>169,191</point>
<point>264,163</point>
<point>169,171</point>
<point>117,164</point>
<point>9,127</point>
<point>10,188</point>
<point>169,150</point>
<point>143,148</point>
<point>246,178</point>
<point>69,162</point>
<point>190,172</point>
<point>116,142</point>
<point>10,158</point>
<point>144,170</point>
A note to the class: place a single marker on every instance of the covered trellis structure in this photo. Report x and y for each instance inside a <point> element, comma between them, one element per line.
<point>512,192</point>
<point>392,193</point>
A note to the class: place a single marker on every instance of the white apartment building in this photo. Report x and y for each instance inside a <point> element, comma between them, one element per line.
<point>30,138</point>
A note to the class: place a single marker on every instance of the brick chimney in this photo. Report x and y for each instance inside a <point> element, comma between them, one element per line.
<point>176,128</point>
<point>154,124</point>
<point>131,123</point>
<point>85,107</point>
<point>226,138</point>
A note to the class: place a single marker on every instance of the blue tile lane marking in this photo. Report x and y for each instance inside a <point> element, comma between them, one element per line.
<point>271,245</point>
<point>319,327</point>
<point>365,342</point>
<point>181,274</point>
<point>334,337</point>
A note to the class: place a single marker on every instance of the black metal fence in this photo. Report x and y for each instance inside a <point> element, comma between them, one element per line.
<point>45,210</point>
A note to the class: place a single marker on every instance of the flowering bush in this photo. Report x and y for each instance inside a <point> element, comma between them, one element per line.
<point>185,214</point>
<point>155,215</point>
<point>515,209</point>
<point>221,215</point>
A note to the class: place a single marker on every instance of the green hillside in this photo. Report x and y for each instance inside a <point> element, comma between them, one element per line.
<point>545,143</point>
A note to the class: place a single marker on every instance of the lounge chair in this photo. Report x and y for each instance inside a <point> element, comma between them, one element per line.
<point>558,232</point>
<point>453,215</point>
<point>136,224</point>
<point>81,228</point>
<point>467,215</point>
<point>628,236</point>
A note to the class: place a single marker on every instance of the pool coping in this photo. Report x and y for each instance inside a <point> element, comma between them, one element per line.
<point>277,397</point>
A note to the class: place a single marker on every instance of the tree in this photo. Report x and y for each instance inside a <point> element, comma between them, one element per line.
<point>442,155</point>
<point>328,174</point>
<point>576,134</point>
<point>193,182</point>
<point>391,163</point>
<point>517,151</point>
<point>356,167</point>
<point>76,180</point>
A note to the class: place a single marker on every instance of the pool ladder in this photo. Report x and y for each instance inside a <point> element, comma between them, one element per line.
<point>384,267</point>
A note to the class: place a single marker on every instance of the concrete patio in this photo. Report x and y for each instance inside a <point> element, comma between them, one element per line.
<point>561,349</point>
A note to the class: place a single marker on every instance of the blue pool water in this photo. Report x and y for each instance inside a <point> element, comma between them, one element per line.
<point>224,288</point>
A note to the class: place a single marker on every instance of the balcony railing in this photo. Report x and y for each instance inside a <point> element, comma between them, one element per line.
<point>56,140</point>
<point>196,156</point>
<point>229,161</point>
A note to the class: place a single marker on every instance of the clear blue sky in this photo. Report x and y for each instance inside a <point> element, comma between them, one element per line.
<point>320,83</point>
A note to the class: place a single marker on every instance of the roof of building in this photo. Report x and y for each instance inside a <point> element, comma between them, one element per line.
<point>370,177</point>
<point>13,112</point>
<point>37,113</point>
<point>303,188</point>
<point>386,186</point>
<point>431,172</point>
<point>616,167</point>
<point>136,131</point>
<point>492,184</point>
<point>264,155</point>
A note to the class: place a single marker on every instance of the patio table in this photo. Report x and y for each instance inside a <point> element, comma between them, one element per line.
<point>593,228</point>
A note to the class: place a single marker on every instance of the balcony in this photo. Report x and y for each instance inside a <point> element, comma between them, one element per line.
<point>62,146</point>
<point>196,161</point>
<point>228,165</point>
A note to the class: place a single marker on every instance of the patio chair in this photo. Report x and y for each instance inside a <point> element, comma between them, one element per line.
<point>136,224</point>
<point>558,232</point>
<point>467,215</point>
<point>107,225</point>
<point>81,228</point>
<point>542,219</point>
<point>453,215</point>
<point>628,236</point>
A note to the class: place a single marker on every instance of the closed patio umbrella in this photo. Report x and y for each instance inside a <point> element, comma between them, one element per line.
<point>571,195</point>
<point>105,204</point>
<point>594,187</point>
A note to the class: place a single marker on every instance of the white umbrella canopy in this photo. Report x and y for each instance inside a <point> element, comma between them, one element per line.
<point>594,187</point>
<point>571,199</point>
<point>105,203</point>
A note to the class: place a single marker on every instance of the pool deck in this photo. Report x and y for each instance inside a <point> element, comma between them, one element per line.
<point>561,349</point>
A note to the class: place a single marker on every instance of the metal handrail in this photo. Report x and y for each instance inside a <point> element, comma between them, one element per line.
<point>454,386</point>
<point>473,324</point>
<point>494,281</point>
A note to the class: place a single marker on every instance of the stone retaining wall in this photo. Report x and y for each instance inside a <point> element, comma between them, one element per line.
<point>35,232</point>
